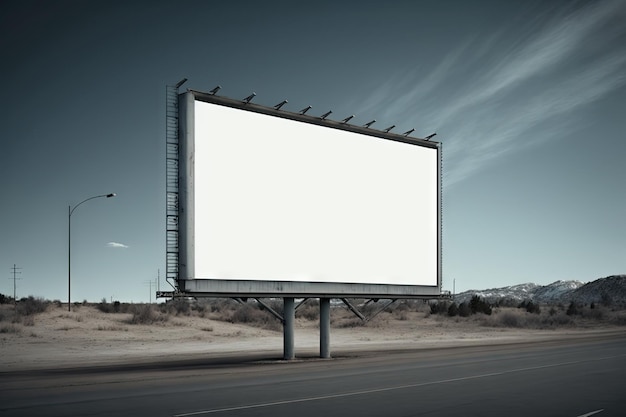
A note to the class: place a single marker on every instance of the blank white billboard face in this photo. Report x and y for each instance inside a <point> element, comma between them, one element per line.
<point>281,200</point>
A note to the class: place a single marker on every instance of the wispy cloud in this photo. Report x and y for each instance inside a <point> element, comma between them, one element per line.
<point>496,95</point>
<point>117,245</point>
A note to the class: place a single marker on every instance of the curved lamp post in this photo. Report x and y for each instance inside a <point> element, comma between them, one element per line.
<point>70,210</point>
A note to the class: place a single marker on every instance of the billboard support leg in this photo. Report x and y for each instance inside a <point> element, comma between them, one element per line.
<point>289,314</point>
<point>325,328</point>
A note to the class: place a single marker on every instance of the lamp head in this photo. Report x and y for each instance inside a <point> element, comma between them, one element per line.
<point>111,195</point>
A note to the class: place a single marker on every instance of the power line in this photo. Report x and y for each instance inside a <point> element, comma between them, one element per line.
<point>155,283</point>
<point>16,272</point>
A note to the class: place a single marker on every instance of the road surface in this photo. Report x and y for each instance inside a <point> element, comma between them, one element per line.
<point>570,377</point>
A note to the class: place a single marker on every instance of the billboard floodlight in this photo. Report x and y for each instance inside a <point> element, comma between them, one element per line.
<point>181,82</point>
<point>249,98</point>
<point>431,136</point>
<point>281,104</point>
<point>408,132</point>
<point>347,119</point>
<point>389,128</point>
<point>325,115</point>
<point>215,90</point>
<point>306,109</point>
<point>368,124</point>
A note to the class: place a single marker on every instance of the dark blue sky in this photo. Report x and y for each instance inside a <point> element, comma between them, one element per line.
<point>527,98</point>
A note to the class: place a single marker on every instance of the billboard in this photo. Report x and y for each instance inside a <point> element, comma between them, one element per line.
<point>275,203</point>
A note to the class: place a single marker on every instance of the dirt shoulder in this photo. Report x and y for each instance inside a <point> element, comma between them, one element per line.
<point>88,337</point>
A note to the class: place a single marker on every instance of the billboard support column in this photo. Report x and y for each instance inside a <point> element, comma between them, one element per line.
<point>325,328</point>
<point>289,314</point>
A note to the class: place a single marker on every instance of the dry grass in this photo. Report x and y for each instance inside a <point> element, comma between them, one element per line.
<point>88,334</point>
<point>176,312</point>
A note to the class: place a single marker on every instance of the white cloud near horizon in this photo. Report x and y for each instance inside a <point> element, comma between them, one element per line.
<point>117,245</point>
<point>490,101</point>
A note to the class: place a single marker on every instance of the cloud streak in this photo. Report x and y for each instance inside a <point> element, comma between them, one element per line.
<point>117,245</point>
<point>498,94</point>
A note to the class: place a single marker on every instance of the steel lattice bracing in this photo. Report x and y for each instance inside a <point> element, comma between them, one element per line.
<point>171,187</point>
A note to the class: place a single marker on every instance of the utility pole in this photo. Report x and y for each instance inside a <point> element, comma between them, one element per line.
<point>150,284</point>
<point>15,273</point>
<point>453,289</point>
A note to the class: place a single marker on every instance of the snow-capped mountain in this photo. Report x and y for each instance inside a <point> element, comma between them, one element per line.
<point>556,292</point>
<point>608,291</point>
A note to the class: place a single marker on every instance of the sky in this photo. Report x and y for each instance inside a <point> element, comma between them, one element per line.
<point>526,97</point>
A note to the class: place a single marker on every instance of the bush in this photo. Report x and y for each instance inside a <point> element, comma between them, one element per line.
<point>478,305</point>
<point>401,315</point>
<point>309,311</point>
<point>573,309</point>
<point>453,310</point>
<point>439,307</point>
<point>177,306</point>
<point>464,310</point>
<point>109,308</point>
<point>533,308</point>
<point>145,314</point>
<point>31,305</point>
<point>10,328</point>
<point>509,319</point>
<point>253,315</point>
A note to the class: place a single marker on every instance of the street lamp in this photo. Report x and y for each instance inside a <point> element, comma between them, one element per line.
<point>70,210</point>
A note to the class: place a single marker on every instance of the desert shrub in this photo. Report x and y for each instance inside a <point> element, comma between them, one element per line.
<point>309,311</point>
<point>109,308</point>
<point>250,314</point>
<point>439,307</point>
<point>573,309</point>
<point>406,306</point>
<point>6,315</point>
<point>31,305</point>
<point>453,310</point>
<point>366,308</point>
<point>558,320</point>
<point>509,319</point>
<point>176,306</point>
<point>247,314</point>
<point>201,307</point>
<point>478,305</point>
<point>4,299</point>
<point>349,323</point>
<point>402,315</point>
<point>145,314</point>
<point>10,328</point>
<point>274,304</point>
<point>618,319</point>
<point>593,313</point>
<point>464,310</point>
<point>532,307</point>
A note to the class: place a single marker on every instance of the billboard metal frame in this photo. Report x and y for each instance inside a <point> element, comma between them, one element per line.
<point>188,283</point>
<point>180,142</point>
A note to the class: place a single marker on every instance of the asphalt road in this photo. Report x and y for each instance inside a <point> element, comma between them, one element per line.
<point>570,377</point>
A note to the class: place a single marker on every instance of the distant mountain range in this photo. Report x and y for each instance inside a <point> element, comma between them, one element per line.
<point>610,291</point>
